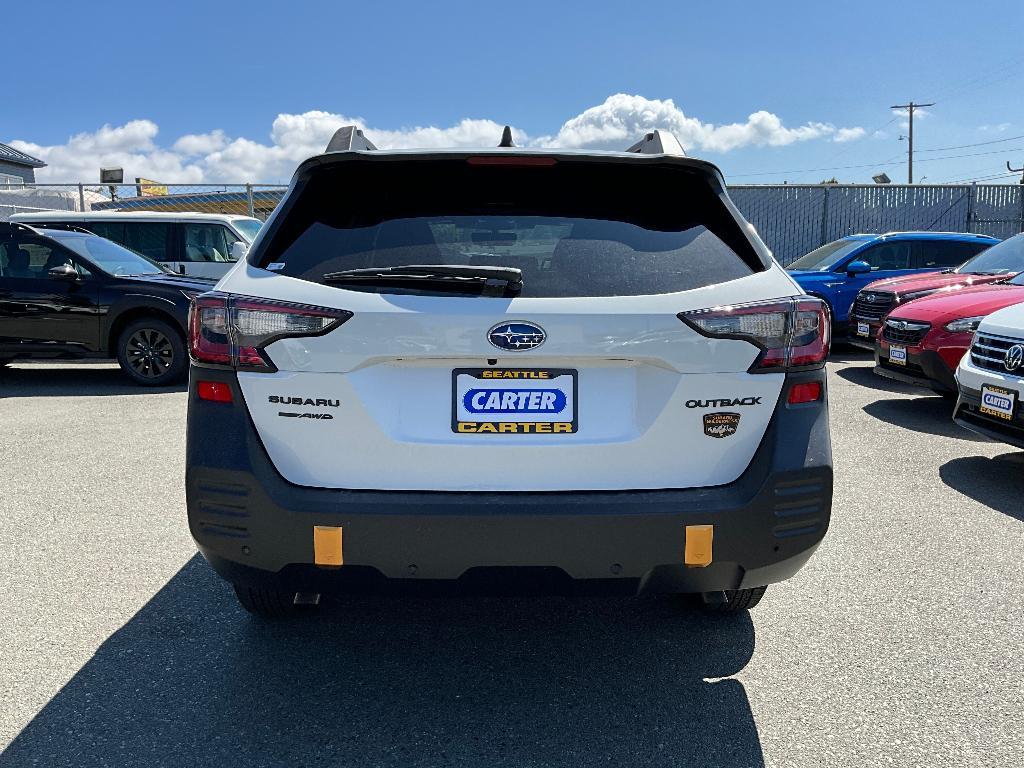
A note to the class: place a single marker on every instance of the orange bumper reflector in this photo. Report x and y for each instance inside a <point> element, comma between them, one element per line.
<point>327,545</point>
<point>698,545</point>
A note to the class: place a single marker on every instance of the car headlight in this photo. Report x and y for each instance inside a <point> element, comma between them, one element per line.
<point>964,324</point>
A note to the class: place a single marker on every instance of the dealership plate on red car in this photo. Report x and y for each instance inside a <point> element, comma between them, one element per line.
<point>998,402</point>
<point>898,355</point>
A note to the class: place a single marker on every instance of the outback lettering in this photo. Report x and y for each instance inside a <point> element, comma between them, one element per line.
<point>723,403</point>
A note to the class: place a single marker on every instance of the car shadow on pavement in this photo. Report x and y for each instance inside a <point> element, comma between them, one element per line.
<point>193,680</point>
<point>996,482</point>
<point>928,415</point>
<point>69,380</point>
<point>842,352</point>
<point>865,376</point>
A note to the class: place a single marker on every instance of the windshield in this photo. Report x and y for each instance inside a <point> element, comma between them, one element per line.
<point>1002,258</point>
<point>108,256</point>
<point>248,227</point>
<point>821,259</point>
<point>571,230</point>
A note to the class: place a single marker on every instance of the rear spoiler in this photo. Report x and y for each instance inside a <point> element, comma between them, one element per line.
<point>351,139</point>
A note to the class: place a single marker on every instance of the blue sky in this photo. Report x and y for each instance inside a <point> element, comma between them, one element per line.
<point>220,74</point>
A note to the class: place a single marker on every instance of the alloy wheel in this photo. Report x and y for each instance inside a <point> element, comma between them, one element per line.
<point>149,353</point>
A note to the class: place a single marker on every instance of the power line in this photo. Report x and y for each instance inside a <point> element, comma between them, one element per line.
<point>883,164</point>
<point>980,178</point>
<point>992,77</point>
<point>967,146</point>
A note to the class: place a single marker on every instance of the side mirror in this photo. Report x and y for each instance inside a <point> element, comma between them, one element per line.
<point>64,272</point>
<point>238,250</point>
<point>855,268</point>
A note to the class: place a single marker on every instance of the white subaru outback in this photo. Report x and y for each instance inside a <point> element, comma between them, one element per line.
<point>990,378</point>
<point>505,368</point>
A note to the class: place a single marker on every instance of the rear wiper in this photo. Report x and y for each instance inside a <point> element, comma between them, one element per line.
<point>485,280</point>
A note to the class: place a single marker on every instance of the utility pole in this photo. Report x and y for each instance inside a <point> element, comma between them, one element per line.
<point>910,107</point>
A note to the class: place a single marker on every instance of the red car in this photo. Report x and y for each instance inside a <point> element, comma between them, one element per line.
<point>922,341</point>
<point>1000,262</point>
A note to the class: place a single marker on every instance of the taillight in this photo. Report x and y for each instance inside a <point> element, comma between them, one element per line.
<point>793,334</point>
<point>227,330</point>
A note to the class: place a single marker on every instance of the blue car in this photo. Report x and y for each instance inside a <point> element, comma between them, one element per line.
<point>838,270</point>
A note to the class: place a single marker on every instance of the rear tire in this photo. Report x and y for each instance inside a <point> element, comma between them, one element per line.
<point>152,353</point>
<point>266,603</point>
<point>737,600</point>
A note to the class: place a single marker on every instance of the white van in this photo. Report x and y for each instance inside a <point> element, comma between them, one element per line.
<point>200,244</point>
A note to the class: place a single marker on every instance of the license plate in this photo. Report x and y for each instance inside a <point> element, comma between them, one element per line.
<point>998,402</point>
<point>514,401</point>
<point>898,355</point>
<point>863,329</point>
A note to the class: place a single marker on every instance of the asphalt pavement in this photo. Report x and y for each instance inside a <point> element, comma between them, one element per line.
<point>900,643</point>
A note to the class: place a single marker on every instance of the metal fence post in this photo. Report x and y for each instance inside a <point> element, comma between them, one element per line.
<point>972,191</point>
<point>824,216</point>
<point>248,197</point>
<point>81,196</point>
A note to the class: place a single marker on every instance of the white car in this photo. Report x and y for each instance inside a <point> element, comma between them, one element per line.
<point>478,367</point>
<point>196,244</point>
<point>990,378</point>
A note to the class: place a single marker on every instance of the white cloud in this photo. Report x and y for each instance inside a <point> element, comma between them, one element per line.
<point>998,128</point>
<point>848,134</point>
<point>200,143</point>
<point>920,113</point>
<point>216,157</point>
<point>623,118</point>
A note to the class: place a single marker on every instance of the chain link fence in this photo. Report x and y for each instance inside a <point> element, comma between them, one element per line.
<point>794,219</point>
<point>239,199</point>
<point>791,218</point>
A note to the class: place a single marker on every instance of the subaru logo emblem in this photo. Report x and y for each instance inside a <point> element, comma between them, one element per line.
<point>1014,357</point>
<point>869,298</point>
<point>516,337</point>
<point>901,325</point>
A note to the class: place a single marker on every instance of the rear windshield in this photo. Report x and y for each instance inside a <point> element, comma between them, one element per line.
<point>573,230</point>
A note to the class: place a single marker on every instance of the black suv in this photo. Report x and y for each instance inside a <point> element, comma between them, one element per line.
<point>67,293</point>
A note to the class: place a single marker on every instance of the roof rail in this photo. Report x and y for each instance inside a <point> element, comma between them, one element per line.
<point>658,142</point>
<point>348,138</point>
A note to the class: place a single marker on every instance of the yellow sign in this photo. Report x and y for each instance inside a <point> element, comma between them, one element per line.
<point>149,188</point>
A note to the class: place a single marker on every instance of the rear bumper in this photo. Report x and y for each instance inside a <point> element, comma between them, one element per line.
<point>924,368</point>
<point>969,416</point>
<point>255,528</point>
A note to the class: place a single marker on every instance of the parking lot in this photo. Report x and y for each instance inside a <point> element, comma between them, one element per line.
<point>899,644</point>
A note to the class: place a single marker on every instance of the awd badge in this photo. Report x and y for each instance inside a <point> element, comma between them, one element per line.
<point>721,424</point>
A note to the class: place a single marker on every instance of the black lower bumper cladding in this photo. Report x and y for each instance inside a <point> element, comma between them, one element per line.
<point>969,416</point>
<point>923,369</point>
<point>256,528</point>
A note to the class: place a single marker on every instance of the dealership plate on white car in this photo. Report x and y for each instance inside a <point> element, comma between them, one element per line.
<point>898,355</point>
<point>514,401</point>
<point>998,402</point>
<point>863,329</point>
